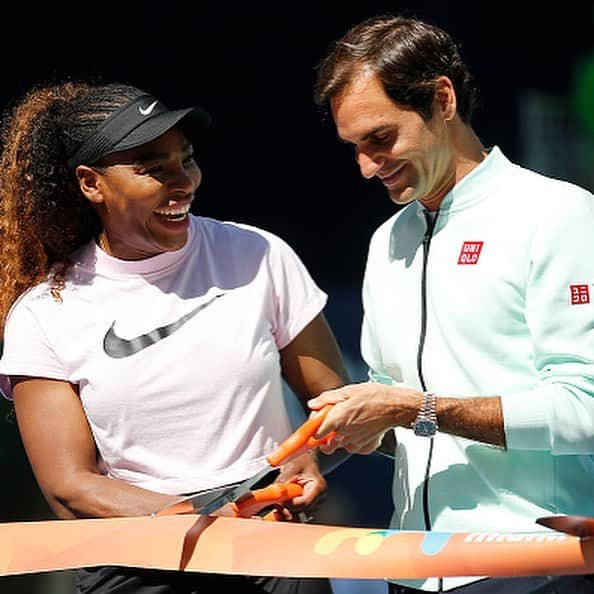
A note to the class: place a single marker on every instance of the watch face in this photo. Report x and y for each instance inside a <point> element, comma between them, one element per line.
<point>424,428</point>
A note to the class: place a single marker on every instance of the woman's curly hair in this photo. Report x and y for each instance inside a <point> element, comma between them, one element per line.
<point>44,217</point>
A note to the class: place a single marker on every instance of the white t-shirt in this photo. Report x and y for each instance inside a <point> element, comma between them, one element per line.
<point>176,357</point>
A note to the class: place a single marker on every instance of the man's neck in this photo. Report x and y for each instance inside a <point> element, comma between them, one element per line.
<point>469,153</point>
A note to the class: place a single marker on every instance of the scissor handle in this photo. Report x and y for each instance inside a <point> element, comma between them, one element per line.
<point>254,501</point>
<point>301,440</point>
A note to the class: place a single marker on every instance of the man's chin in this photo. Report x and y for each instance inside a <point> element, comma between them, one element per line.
<point>402,198</point>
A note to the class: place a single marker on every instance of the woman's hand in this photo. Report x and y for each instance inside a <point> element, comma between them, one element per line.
<point>304,471</point>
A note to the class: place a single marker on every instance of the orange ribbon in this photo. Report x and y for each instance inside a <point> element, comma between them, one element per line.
<point>248,546</point>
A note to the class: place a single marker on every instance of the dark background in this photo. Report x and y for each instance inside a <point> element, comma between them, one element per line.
<point>273,159</point>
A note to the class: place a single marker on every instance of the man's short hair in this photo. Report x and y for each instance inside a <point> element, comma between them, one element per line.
<point>407,55</point>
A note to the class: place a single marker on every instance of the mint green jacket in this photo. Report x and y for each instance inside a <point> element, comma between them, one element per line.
<point>509,312</point>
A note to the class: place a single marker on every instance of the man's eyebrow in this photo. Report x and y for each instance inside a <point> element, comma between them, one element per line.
<point>376,131</point>
<point>369,134</point>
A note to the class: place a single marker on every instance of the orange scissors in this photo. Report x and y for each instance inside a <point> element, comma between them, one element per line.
<point>297,443</point>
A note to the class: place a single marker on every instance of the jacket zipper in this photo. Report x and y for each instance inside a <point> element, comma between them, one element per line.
<point>430,219</point>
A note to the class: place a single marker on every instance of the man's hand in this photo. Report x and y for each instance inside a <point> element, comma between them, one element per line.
<point>362,413</point>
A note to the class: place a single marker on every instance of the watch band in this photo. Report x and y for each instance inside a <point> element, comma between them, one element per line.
<point>426,424</point>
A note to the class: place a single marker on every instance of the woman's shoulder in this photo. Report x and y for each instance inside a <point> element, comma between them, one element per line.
<point>35,296</point>
<point>233,233</point>
<point>33,304</point>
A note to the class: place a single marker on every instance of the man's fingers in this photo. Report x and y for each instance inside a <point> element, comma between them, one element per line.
<point>361,445</point>
<point>327,449</point>
<point>332,444</point>
<point>325,428</point>
<point>325,398</point>
<point>358,449</point>
<point>368,448</point>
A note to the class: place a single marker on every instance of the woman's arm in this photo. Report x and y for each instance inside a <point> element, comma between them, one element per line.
<point>62,453</point>
<point>312,363</point>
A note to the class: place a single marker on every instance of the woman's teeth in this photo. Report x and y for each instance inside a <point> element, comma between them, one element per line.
<point>177,214</point>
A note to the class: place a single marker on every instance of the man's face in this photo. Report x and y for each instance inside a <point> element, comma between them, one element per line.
<point>414,159</point>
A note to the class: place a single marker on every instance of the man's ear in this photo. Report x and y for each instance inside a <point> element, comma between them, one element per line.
<point>445,98</point>
<point>89,183</point>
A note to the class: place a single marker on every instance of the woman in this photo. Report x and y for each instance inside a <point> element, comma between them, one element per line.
<point>151,342</point>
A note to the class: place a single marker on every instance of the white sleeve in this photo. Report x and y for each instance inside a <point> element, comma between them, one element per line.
<point>27,350</point>
<point>297,298</point>
<point>557,413</point>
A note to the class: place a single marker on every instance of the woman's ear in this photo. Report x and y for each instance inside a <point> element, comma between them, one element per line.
<point>445,98</point>
<point>89,183</point>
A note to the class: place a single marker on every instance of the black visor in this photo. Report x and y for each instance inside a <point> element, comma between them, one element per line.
<point>141,120</point>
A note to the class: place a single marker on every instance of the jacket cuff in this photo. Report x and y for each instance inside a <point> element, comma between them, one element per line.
<point>526,419</point>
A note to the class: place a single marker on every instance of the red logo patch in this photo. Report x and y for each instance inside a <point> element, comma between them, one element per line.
<point>579,294</point>
<point>470,252</point>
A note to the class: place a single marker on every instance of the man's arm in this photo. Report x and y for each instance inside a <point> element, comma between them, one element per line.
<point>552,409</point>
<point>362,413</point>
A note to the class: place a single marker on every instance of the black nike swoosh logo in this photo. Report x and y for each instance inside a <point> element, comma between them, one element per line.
<point>118,348</point>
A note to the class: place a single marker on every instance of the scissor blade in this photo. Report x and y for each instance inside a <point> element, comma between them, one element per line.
<point>264,477</point>
<point>189,503</point>
<point>207,503</point>
<point>298,442</point>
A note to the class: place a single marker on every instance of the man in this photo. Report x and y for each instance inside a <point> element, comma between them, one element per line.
<point>478,305</point>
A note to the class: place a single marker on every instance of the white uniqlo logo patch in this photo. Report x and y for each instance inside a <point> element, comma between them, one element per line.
<point>470,252</point>
<point>579,294</point>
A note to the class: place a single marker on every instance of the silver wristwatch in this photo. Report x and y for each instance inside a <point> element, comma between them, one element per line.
<point>425,424</point>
